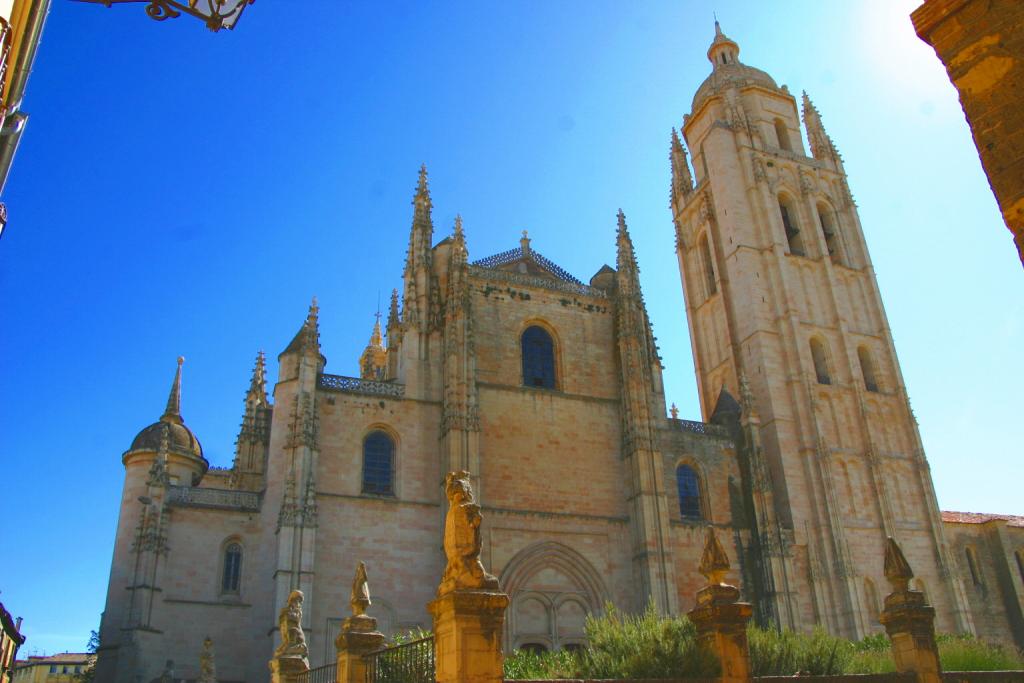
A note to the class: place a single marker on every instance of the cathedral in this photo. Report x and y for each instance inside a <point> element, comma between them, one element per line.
<point>548,389</point>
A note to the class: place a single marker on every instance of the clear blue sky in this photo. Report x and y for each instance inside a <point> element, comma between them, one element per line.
<point>184,193</point>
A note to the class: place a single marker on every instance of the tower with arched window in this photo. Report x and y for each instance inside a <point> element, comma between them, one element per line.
<point>795,324</point>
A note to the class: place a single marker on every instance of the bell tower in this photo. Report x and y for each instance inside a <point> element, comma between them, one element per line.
<point>784,311</point>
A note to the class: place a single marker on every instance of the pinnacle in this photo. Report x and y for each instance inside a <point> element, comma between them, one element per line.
<point>458,226</point>
<point>173,411</point>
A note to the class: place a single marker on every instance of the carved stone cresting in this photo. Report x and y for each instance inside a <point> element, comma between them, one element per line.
<point>462,541</point>
<point>289,622</point>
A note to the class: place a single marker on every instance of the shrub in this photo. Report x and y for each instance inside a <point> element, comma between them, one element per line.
<point>967,653</point>
<point>785,653</point>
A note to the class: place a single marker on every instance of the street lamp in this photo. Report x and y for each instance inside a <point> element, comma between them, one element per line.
<point>217,14</point>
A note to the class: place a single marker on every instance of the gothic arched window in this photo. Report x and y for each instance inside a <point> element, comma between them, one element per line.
<point>972,565</point>
<point>820,361</point>
<point>231,577</point>
<point>867,368</point>
<point>796,243</point>
<point>688,484</point>
<point>538,358</point>
<point>378,464</point>
<point>828,229</point>
<point>707,265</point>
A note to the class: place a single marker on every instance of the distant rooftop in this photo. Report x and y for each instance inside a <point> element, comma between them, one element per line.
<point>981,518</point>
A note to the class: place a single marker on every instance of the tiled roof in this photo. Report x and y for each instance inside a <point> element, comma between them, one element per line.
<point>981,518</point>
<point>513,255</point>
<point>61,658</point>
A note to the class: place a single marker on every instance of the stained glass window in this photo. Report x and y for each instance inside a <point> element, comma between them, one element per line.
<point>232,568</point>
<point>378,464</point>
<point>689,492</point>
<point>538,358</point>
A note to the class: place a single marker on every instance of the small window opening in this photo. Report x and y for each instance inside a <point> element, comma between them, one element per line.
<point>867,368</point>
<point>688,484</point>
<point>232,576</point>
<point>1020,563</point>
<point>972,566</point>
<point>707,265</point>
<point>831,236</point>
<point>538,351</point>
<point>378,464</point>
<point>820,362</point>
<point>796,243</point>
<point>782,135</point>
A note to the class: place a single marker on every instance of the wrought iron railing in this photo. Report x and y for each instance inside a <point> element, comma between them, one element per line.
<point>695,427</point>
<point>191,496</point>
<point>328,673</point>
<point>411,662</point>
<point>355,385</point>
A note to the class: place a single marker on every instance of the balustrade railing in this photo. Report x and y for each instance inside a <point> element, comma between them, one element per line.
<point>328,673</point>
<point>411,662</point>
<point>534,281</point>
<point>356,385</point>
<point>191,496</point>
<point>700,428</point>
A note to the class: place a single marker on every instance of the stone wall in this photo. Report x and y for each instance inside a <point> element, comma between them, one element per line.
<point>981,43</point>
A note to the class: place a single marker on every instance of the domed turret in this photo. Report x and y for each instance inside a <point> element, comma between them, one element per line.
<point>184,451</point>
<point>727,70</point>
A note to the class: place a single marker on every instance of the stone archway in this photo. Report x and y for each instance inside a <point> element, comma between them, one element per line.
<point>552,588</point>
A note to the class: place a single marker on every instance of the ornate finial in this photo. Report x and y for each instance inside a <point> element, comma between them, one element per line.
<point>207,665</point>
<point>714,563</point>
<point>681,178</point>
<point>289,622</point>
<point>674,412</point>
<point>524,243</point>
<point>173,411</point>
<point>718,28</point>
<point>360,597</point>
<point>458,226</point>
<point>897,569</point>
<point>462,540</point>
<point>393,320</point>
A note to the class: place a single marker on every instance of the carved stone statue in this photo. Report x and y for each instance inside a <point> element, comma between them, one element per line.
<point>207,667</point>
<point>462,539</point>
<point>360,598</point>
<point>289,621</point>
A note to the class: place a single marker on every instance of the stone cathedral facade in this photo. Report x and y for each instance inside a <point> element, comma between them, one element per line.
<point>549,391</point>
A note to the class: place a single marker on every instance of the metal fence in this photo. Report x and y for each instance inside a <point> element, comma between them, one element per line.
<point>328,673</point>
<point>411,662</point>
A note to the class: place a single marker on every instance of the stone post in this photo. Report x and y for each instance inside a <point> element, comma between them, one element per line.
<point>359,635</point>
<point>721,619</point>
<point>909,621</point>
<point>469,611</point>
<point>291,658</point>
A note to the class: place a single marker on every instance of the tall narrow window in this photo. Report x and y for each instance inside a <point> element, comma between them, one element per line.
<point>820,359</point>
<point>378,464</point>
<point>538,358</point>
<point>1020,563</point>
<point>972,565</point>
<point>707,265</point>
<point>782,135</point>
<point>231,578</point>
<point>828,229</point>
<point>688,484</point>
<point>867,368</point>
<point>796,243</point>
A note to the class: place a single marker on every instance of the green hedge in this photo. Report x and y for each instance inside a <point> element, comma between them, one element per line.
<point>652,646</point>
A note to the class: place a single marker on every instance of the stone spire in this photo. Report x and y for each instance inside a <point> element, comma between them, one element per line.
<point>724,50</point>
<point>257,394</point>
<point>417,276</point>
<point>308,337</point>
<point>173,411</point>
<point>393,319</point>
<point>821,144</point>
<point>373,361</point>
<point>682,181</point>
<point>627,269</point>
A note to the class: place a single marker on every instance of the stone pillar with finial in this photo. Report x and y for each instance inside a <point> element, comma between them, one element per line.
<point>207,664</point>
<point>469,611</point>
<point>359,635</point>
<point>721,619</point>
<point>909,620</point>
<point>291,658</point>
